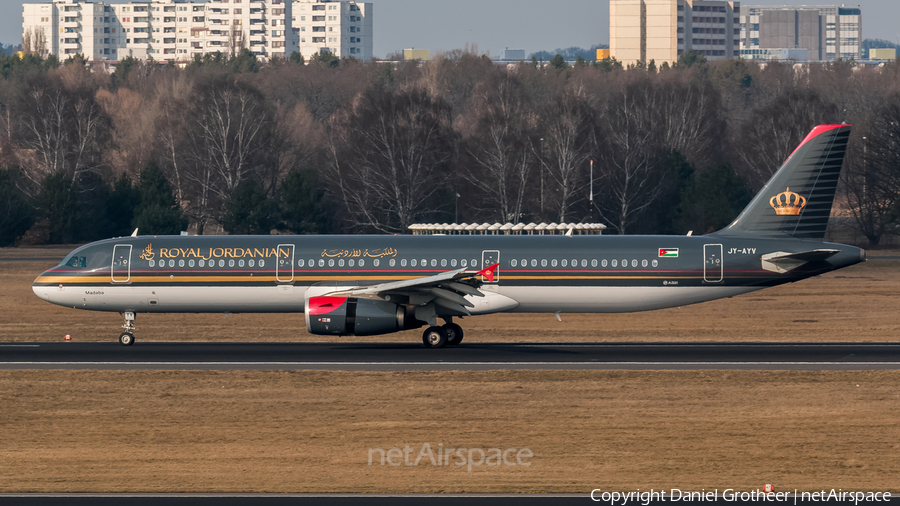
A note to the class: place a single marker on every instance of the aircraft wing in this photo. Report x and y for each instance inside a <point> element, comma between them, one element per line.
<point>447,289</point>
<point>782,262</point>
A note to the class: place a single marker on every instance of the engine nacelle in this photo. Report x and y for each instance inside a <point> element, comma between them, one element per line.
<point>362,317</point>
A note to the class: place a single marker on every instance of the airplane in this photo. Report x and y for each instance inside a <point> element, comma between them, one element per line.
<point>378,284</point>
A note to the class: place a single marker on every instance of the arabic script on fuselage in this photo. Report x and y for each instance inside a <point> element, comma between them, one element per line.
<point>359,253</point>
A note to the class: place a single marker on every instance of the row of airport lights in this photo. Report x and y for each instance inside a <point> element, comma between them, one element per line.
<point>507,229</point>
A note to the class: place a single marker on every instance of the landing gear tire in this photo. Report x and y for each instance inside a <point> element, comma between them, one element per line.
<point>434,337</point>
<point>454,334</point>
<point>126,339</point>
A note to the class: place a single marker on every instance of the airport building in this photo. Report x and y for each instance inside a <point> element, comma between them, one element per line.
<point>179,30</point>
<point>661,30</point>
<point>826,32</point>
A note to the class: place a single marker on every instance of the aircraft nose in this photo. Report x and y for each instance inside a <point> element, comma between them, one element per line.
<point>41,290</point>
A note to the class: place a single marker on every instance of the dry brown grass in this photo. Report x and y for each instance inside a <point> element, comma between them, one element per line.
<point>859,303</point>
<point>74,431</point>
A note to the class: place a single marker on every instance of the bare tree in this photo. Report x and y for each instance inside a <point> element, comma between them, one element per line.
<point>773,131</point>
<point>390,156</point>
<point>569,131</point>
<point>872,172</point>
<point>500,134</point>
<point>229,137</point>
<point>630,153</point>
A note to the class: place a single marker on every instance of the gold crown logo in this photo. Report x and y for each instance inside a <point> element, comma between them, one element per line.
<point>787,203</point>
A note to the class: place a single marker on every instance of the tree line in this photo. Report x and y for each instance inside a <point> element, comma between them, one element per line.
<point>229,144</point>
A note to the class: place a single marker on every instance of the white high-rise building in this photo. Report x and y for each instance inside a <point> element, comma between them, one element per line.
<point>341,27</point>
<point>162,30</point>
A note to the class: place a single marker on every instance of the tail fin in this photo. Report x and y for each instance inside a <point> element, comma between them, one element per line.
<point>796,202</point>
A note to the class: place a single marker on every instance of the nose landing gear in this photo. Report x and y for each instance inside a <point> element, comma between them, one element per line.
<point>127,338</point>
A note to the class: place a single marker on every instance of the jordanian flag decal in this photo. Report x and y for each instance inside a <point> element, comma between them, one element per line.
<point>668,252</point>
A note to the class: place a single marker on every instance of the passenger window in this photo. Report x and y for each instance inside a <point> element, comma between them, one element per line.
<point>463,262</point>
<point>615,263</point>
<point>403,263</point>
<point>413,262</point>
<point>231,263</point>
<point>534,262</point>
<point>341,262</point>
<point>453,262</point>
<point>241,262</point>
<point>171,263</point>
<point>574,263</point>
<point>655,263</point>
<point>584,263</point>
<point>330,262</point>
<point>392,262</point>
<point>321,263</point>
<point>191,263</point>
<point>424,263</point>
<point>553,263</point>
<point>262,263</point>
<point>634,263</point>
<point>443,262</point>
<point>221,263</point>
<point>201,263</point>
<point>433,262</point>
<point>512,263</point>
<point>251,263</point>
<point>624,263</point>
<point>362,262</point>
<point>474,263</point>
<point>644,263</point>
<point>152,263</point>
<point>524,263</point>
<point>299,263</point>
<point>351,263</point>
<point>594,263</point>
<point>181,263</point>
<point>565,262</point>
<point>603,263</point>
<point>312,263</point>
<point>376,262</point>
<point>544,262</point>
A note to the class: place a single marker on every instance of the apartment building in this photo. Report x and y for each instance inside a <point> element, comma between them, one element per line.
<point>161,30</point>
<point>341,27</point>
<point>661,30</point>
<point>827,32</point>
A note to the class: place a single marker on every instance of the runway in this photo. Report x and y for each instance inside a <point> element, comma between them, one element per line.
<point>468,356</point>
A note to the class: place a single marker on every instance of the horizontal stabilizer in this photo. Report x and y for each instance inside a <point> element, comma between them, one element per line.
<point>782,262</point>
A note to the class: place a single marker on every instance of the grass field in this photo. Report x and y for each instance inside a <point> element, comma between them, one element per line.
<point>857,304</point>
<point>142,431</point>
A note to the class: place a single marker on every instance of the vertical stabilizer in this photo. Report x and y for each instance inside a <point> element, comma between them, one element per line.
<point>796,202</point>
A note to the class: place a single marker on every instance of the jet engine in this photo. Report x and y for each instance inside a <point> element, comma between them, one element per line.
<point>362,317</point>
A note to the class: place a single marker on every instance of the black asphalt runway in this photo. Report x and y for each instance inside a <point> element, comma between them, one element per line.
<point>467,356</point>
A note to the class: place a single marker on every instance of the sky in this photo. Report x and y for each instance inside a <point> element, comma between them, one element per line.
<point>492,25</point>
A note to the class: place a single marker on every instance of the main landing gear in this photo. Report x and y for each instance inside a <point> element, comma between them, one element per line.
<point>127,337</point>
<point>450,334</point>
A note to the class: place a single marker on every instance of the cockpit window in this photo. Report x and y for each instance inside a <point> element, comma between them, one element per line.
<point>77,261</point>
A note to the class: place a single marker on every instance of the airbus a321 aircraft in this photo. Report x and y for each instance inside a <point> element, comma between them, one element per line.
<point>368,285</point>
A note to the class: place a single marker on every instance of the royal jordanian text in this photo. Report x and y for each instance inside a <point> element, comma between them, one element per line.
<point>646,497</point>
